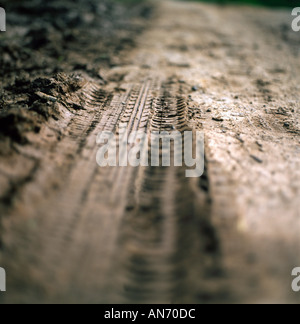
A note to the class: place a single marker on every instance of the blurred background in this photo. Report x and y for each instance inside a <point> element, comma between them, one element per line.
<point>270,3</point>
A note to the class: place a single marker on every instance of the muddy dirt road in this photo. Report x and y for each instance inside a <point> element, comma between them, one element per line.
<point>74,232</point>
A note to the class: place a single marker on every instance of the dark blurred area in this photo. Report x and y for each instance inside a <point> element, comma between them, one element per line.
<point>46,39</point>
<point>269,3</point>
<point>68,35</point>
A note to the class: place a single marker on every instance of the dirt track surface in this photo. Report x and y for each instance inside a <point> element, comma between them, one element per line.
<point>74,232</point>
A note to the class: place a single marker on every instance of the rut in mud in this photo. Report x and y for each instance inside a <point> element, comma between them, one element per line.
<point>72,231</point>
<point>154,234</point>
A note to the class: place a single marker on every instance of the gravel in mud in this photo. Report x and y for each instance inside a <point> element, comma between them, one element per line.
<point>74,232</point>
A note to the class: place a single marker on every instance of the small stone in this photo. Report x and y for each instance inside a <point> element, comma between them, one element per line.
<point>256,159</point>
<point>195,88</point>
<point>218,119</point>
<point>46,97</point>
<point>239,137</point>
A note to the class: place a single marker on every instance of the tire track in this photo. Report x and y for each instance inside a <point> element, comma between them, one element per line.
<point>122,234</point>
<point>167,239</point>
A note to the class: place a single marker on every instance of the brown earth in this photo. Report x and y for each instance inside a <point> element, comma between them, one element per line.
<point>74,232</point>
